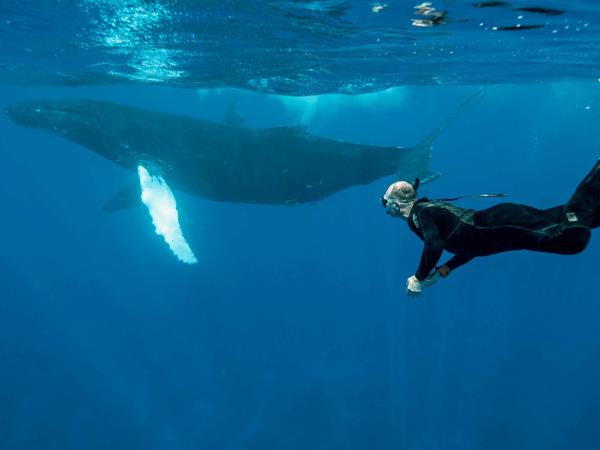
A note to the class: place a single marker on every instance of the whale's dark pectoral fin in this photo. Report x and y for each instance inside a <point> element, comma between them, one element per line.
<point>128,197</point>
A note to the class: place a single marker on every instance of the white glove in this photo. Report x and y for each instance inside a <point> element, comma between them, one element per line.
<point>414,287</point>
<point>433,277</point>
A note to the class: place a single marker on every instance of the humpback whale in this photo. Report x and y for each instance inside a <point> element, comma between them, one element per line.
<point>220,161</point>
<point>224,162</point>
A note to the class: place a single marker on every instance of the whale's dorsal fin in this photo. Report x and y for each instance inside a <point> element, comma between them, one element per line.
<point>233,116</point>
<point>128,197</point>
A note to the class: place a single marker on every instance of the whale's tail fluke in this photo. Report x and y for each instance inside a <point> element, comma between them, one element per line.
<point>425,147</point>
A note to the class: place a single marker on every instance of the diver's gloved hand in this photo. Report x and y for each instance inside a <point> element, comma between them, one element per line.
<point>414,287</point>
<point>433,277</point>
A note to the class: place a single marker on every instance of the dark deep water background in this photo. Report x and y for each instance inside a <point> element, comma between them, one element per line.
<point>293,331</point>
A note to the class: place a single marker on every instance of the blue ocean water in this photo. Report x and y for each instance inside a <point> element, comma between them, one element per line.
<point>297,47</point>
<point>294,330</point>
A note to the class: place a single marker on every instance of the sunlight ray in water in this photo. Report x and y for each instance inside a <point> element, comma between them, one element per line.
<point>137,31</point>
<point>159,200</point>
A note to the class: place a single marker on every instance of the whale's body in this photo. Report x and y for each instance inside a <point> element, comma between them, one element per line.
<point>281,165</point>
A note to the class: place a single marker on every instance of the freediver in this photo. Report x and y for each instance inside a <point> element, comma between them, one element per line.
<point>467,233</point>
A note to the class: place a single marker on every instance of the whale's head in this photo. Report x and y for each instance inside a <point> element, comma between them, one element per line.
<point>89,123</point>
<point>61,117</point>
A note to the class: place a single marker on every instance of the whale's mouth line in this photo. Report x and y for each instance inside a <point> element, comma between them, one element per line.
<point>64,110</point>
<point>45,108</point>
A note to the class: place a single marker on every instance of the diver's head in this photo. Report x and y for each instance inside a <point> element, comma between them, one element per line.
<point>399,198</point>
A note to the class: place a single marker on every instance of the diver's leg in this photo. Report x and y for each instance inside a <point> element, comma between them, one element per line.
<point>509,226</point>
<point>568,241</point>
<point>583,208</point>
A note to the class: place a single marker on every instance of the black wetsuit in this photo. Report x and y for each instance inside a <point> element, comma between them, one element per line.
<point>467,233</point>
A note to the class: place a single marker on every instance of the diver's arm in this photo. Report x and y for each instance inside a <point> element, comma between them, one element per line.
<point>434,246</point>
<point>454,263</point>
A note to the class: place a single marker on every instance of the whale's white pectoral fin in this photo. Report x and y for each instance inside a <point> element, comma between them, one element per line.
<point>159,200</point>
